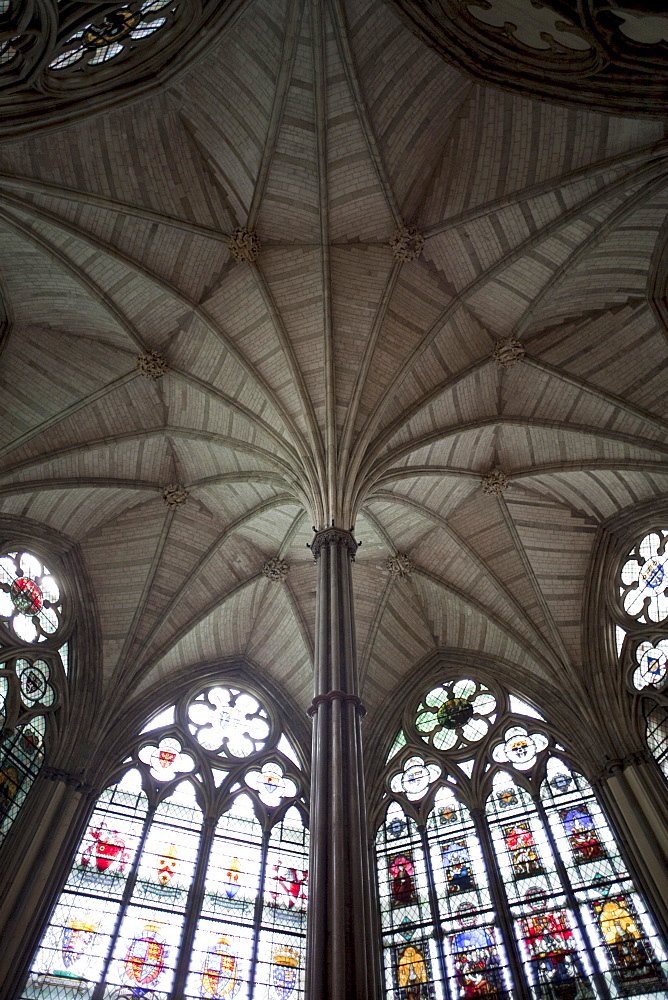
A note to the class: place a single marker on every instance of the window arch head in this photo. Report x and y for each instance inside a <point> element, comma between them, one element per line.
<point>639,607</point>
<point>192,874</point>
<point>35,626</point>
<point>496,869</point>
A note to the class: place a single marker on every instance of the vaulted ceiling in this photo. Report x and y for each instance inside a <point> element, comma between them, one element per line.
<point>329,379</point>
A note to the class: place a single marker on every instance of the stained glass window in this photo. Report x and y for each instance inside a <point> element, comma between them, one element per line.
<point>114,33</point>
<point>657,735</point>
<point>642,645</point>
<point>31,606</point>
<point>192,876</point>
<point>497,873</point>
<point>21,756</point>
<point>643,583</point>
<point>33,673</point>
<point>411,958</point>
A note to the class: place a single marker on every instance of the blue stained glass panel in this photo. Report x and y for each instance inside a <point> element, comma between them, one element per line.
<point>475,958</point>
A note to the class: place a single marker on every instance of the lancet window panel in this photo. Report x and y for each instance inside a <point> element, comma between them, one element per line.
<point>192,877</point>
<point>35,625</point>
<point>639,610</point>
<point>498,874</point>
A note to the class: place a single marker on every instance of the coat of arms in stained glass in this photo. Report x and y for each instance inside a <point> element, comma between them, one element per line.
<point>396,827</point>
<point>447,815</point>
<point>76,940</point>
<point>106,852</point>
<point>290,891</point>
<point>167,865</point>
<point>522,849</point>
<point>457,864</point>
<point>232,879</point>
<point>506,798</point>
<point>220,972</point>
<point>402,880</point>
<point>413,973</point>
<point>582,835</point>
<point>284,971</point>
<point>145,958</point>
<point>633,966</point>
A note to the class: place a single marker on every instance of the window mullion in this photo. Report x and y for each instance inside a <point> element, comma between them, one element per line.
<point>435,915</point>
<point>98,992</point>
<point>257,916</point>
<point>570,896</point>
<point>500,900</point>
<point>193,907</point>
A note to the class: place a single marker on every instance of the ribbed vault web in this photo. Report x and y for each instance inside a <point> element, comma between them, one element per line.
<point>329,380</point>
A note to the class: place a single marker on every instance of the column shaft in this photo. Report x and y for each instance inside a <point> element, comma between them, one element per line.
<point>341,952</point>
<point>58,812</point>
<point>634,796</point>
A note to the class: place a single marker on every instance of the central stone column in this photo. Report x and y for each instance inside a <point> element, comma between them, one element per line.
<point>341,954</point>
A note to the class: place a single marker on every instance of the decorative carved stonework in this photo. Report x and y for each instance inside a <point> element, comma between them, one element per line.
<point>612,766</point>
<point>334,536</point>
<point>495,482</point>
<point>508,352</point>
<point>75,781</point>
<point>399,565</point>
<point>152,364</point>
<point>529,24</point>
<point>607,56</point>
<point>407,243</point>
<point>275,569</point>
<point>175,495</point>
<point>244,245</point>
<point>327,699</point>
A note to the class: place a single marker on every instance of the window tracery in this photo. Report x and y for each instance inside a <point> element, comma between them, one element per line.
<point>640,612</point>
<point>35,623</point>
<point>604,55</point>
<point>58,57</point>
<point>501,873</point>
<point>116,32</point>
<point>192,876</point>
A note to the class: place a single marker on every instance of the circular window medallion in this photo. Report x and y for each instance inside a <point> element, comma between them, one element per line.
<point>415,778</point>
<point>643,579</point>
<point>26,596</point>
<point>31,605</point>
<point>454,712</point>
<point>652,660</point>
<point>228,722</point>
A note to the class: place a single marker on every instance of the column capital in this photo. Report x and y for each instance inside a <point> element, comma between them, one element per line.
<point>334,536</point>
<point>616,764</point>
<point>75,781</point>
<point>348,699</point>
